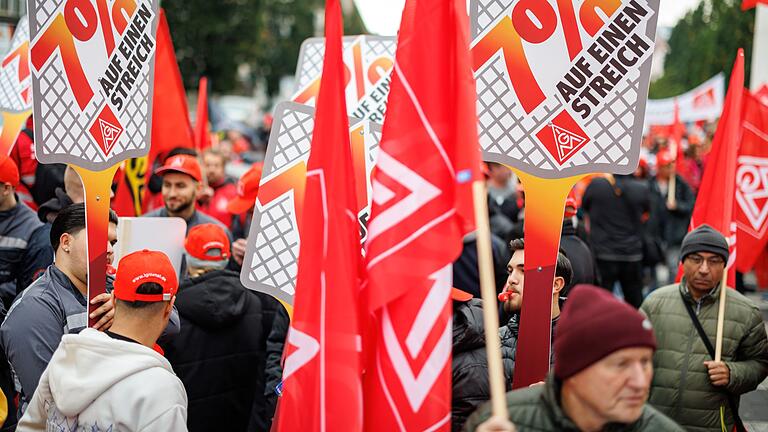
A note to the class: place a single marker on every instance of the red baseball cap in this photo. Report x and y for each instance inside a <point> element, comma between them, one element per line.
<point>460,296</point>
<point>247,190</point>
<point>9,172</point>
<point>184,164</point>
<point>141,267</point>
<point>207,242</point>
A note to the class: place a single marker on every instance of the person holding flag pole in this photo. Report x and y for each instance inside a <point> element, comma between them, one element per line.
<point>697,382</point>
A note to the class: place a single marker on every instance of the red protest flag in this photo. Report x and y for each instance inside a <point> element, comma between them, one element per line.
<point>677,130</point>
<point>752,184</point>
<point>715,203</point>
<point>321,377</point>
<point>170,115</point>
<point>428,158</point>
<point>749,4</point>
<point>170,126</point>
<point>202,139</point>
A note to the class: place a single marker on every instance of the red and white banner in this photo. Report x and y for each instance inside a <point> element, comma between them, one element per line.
<point>752,184</point>
<point>715,207</point>
<point>92,69</point>
<point>422,207</point>
<point>705,102</point>
<point>322,388</point>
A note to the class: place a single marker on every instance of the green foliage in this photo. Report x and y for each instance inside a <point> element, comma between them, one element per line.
<point>704,43</point>
<point>213,38</point>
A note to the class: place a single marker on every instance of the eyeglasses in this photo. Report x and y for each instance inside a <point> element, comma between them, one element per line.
<point>713,261</point>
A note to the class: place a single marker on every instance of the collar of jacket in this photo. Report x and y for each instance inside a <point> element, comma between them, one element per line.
<point>550,397</point>
<point>62,279</point>
<point>708,298</point>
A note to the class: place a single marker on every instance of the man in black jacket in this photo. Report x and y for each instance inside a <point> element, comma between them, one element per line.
<point>577,251</point>
<point>220,353</point>
<point>615,208</point>
<point>470,386</point>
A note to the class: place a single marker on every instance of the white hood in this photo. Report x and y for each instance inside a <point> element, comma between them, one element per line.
<point>86,366</point>
<point>98,383</point>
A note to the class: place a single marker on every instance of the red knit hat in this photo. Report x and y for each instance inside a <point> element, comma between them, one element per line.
<point>593,325</point>
<point>141,267</point>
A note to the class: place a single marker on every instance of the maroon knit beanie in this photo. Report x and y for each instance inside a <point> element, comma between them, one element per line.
<point>593,325</point>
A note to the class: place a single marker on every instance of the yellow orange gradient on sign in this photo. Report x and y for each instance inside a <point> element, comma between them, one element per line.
<point>13,123</point>
<point>97,185</point>
<point>544,207</point>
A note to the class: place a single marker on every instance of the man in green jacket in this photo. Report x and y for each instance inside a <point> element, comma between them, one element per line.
<point>602,375</point>
<point>691,388</point>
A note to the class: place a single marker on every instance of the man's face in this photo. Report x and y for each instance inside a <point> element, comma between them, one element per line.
<point>500,173</point>
<point>703,270</point>
<point>179,192</point>
<point>515,281</point>
<point>214,168</point>
<point>77,245</point>
<point>616,387</point>
<point>111,240</point>
<point>664,171</point>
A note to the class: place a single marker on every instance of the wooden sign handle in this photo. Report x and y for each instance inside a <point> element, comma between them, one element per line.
<point>721,316</point>
<point>97,185</point>
<point>488,291</point>
<point>544,208</point>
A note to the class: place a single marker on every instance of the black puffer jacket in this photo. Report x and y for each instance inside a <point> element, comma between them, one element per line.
<point>220,352</point>
<point>470,363</point>
<point>509,334</point>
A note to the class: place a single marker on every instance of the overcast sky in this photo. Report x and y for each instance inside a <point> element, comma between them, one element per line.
<point>383,16</point>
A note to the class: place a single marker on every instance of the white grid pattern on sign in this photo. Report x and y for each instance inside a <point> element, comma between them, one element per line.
<point>293,141</point>
<point>275,259</point>
<point>10,87</point>
<point>487,13</point>
<point>376,48</point>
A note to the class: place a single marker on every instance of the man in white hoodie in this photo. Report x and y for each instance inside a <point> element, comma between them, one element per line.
<point>115,380</point>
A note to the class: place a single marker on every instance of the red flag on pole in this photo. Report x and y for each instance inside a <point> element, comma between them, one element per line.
<point>752,184</point>
<point>170,126</point>
<point>322,372</point>
<point>715,207</point>
<point>677,131</point>
<point>202,139</point>
<point>422,207</point>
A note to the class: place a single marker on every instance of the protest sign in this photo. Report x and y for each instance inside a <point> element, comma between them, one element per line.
<point>270,262</point>
<point>704,103</point>
<point>15,97</point>
<point>562,87</point>
<point>368,61</point>
<point>160,234</point>
<point>92,65</point>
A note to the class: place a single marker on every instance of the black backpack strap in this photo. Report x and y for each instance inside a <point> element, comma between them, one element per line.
<point>711,350</point>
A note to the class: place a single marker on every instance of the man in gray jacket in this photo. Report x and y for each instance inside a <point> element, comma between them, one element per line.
<point>55,304</point>
<point>689,386</point>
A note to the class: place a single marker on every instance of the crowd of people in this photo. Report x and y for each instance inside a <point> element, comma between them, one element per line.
<point>195,350</point>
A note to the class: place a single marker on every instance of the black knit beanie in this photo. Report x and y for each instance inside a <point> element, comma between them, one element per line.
<point>704,239</point>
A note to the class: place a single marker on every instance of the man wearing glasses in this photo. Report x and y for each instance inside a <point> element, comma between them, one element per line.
<point>688,385</point>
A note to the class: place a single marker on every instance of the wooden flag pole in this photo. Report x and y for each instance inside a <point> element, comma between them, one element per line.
<point>671,200</point>
<point>488,291</point>
<point>721,315</point>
